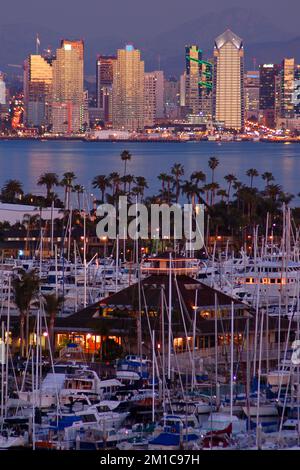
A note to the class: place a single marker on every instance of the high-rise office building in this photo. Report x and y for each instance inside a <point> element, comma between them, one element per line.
<point>154,97</point>
<point>128,90</point>
<point>104,84</point>
<point>38,79</point>
<point>2,90</point>
<point>77,45</point>
<point>68,105</point>
<point>287,88</point>
<point>172,98</point>
<point>182,87</point>
<point>296,94</point>
<point>193,74</point>
<point>251,93</point>
<point>269,94</point>
<point>228,97</point>
<point>198,83</point>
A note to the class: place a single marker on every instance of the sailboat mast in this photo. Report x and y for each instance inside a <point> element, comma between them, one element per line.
<point>170,317</point>
<point>153,376</point>
<point>231,360</point>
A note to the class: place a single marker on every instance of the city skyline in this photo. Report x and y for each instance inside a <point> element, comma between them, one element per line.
<point>215,90</point>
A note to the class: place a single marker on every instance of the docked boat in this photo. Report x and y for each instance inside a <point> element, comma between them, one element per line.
<point>175,432</point>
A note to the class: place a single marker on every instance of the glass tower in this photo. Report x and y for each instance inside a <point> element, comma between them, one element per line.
<point>228,99</point>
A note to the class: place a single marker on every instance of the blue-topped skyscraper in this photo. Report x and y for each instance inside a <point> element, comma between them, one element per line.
<point>128,90</point>
<point>228,97</point>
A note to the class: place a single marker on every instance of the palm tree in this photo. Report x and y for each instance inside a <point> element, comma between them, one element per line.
<point>127,179</point>
<point>52,305</point>
<point>78,189</point>
<point>252,173</point>
<point>273,191</point>
<point>49,180</point>
<point>169,180</point>
<point>213,188</point>
<point>213,162</point>
<point>125,157</point>
<point>163,178</point>
<point>11,190</point>
<point>101,182</point>
<point>198,176</point>
<point>268,177</point>
<point>141,183</point>
<point>223,193</point>
<point>230,179</point>
<point>207,189</point>
<point>30,222</point>
<point>67,183</point>
<point>25,286</point>
<point>177,170</point>
<point>136,191</point>
<point>114,181</point>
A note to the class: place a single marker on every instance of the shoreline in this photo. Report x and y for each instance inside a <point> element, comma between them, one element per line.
<point>144,141</point>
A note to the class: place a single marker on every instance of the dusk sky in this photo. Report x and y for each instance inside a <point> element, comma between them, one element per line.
<point>140,17</point>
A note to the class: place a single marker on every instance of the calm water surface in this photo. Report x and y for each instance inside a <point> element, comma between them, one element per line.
<point>26,160</point>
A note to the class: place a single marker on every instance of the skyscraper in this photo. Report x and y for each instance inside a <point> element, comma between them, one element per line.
<point>2,90</point>
<point>193,74</point>
<point>128,90</point>
<point>228,99</point>
<point>198,83</point>
<point>287,88</point>
<point>172,98</point>
<point>268,94</point>
<point>104,83</point>
<point>154,97</point>
<point>38,79</point>
<point>296,94</point>
<point>182,86</point>
<point>68,96</point>
<point>251,92</point>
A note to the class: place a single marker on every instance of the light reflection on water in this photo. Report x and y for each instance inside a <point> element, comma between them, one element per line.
<point>26,160</point>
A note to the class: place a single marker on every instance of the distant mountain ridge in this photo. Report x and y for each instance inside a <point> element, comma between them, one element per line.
<point>262,40</point>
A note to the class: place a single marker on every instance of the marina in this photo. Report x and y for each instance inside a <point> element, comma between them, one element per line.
<point>223,372</point>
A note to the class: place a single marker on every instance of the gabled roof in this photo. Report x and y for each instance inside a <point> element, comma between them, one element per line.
<point>228,36</point>
<point>183,296</point>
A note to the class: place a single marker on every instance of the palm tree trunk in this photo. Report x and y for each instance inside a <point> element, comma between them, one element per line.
<point>27,333</point>
<point>51,333</point>
<point>22,342</point>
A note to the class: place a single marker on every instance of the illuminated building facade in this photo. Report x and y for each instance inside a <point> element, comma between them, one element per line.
<point>296,94</point>
<point>68,104</point>
<point>154,97</point>
<point>2,90</point>
<point>287,88</point>
<point>269,94</point>
<point>104,84</point>
<point>128,90</point>
<point>38,79</point>
<point>228,97</point>
<point>172,98</point>
<point>251,93</point>
<point>193,73</point>
<point>197,99</point>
